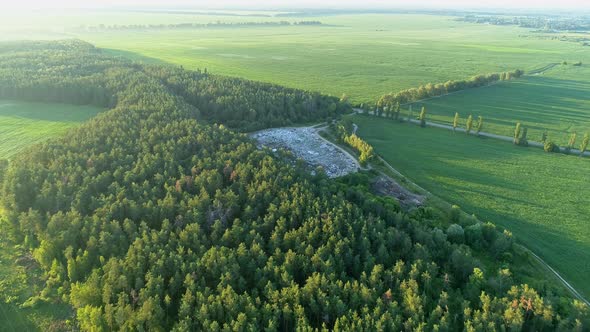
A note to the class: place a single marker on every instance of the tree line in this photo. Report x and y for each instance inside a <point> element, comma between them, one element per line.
<point>218,24</point>
<point>82,74</point>
<point>152,217</point>
<point>347,135</point>
<point>392,100</point>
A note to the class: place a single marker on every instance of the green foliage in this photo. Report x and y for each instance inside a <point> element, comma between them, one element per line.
<point>238,103</point>
<point>500,183</point>
<point>146,218</point>
<point>455,233</point>
<point>363,148</point>
<point>549,146</point>
<point>469,124</point>
<point>422,117</point>
<point>517,131</point>
<point>456,121</point>
<point>434,90</point>
<point>479,124</point>
<point>571,143</point>
<point>558,117</point>
<point>584,144</point>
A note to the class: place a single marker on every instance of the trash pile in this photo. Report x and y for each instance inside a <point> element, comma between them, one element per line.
<point>307,145</point>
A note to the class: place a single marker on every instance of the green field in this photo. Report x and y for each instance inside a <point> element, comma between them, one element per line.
<point>363,56</point>
<point>555,101</point>
<point>23,124</point>
<point>542,198</point>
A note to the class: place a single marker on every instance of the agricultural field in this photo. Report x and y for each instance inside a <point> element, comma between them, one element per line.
<point>541,198</point>
<point>555,101</point>
<point>364,56</point>
<point>23,123</point>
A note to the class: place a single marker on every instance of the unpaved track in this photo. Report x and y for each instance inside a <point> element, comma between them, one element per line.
<point>566,284</point>
<point>317,132</point>
<point>484,134</point>
<point>563,281</point>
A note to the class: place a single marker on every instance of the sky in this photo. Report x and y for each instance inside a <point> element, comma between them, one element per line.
<point>282,4</point>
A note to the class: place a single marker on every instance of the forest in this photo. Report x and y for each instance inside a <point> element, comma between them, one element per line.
<point>158,214</point>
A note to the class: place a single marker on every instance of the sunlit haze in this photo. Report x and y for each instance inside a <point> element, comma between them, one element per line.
<point>260,4</point>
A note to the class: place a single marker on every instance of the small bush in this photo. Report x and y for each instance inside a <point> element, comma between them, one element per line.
<point>551,147</point>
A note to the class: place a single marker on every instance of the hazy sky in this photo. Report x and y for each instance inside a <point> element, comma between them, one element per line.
<point>276,4</point>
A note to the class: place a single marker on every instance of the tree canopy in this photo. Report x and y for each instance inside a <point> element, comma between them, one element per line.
<point>153,217</point>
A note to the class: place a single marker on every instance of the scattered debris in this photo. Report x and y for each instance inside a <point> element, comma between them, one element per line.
<point>386,186</point>
<point>306,144</point>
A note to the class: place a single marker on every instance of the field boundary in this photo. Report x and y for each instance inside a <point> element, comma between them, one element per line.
<point>556,274</point>
<point>488,135</point>
<point>533,72</point>
<point>562,280</point>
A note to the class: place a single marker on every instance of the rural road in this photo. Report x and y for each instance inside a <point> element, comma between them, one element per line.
<point>566,284</point>
<point>484,134</point>
<point>317,130</point>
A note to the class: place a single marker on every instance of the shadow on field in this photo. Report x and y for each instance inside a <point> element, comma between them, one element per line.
<point>134,56</point>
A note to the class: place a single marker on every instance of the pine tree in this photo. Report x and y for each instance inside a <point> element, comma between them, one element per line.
<point>456,121</point>
<point>469,124</point>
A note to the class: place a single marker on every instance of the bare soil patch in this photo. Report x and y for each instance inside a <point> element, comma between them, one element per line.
<point>385,186</point>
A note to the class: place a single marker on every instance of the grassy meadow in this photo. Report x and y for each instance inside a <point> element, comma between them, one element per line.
<point>23,123</point>
<point>555,101</point>
<point>542,198</point>
<point>362,55</point>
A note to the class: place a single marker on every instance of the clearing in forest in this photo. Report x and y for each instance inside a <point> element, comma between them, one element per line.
<point>24,123</point>
<point>306,144</point>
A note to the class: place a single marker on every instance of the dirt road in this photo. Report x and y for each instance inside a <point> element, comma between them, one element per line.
<point>484,134</point>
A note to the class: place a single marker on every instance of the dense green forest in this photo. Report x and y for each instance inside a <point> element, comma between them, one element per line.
<point>159,215</point>
<point>78,73</point>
